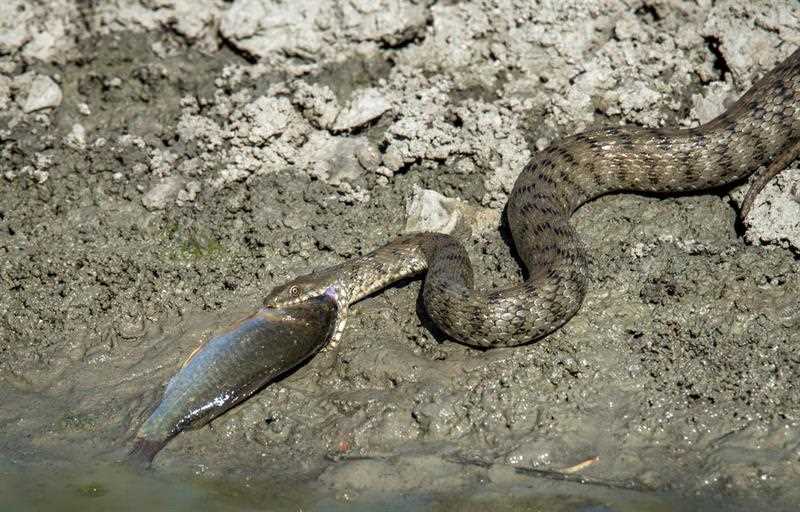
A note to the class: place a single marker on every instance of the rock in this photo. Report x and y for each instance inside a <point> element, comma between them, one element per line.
<point>157,197</point>
<point>368,156</point>
<point>368,104</point>
<point>429,210</point>
<point>43,93</point>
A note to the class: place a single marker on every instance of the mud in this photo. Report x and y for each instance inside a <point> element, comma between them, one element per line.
<point>191,159</point>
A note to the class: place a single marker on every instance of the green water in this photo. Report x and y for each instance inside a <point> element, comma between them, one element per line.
<point>114,487</point>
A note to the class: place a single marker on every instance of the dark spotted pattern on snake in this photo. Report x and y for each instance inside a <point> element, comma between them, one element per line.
<point>761,129</point>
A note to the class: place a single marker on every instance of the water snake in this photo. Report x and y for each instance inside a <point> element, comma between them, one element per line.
<point>761,129</point>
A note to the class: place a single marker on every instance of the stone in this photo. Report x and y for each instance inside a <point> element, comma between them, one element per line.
<point>367,105</point>
<point>159,196</point>
<point>43,93</point>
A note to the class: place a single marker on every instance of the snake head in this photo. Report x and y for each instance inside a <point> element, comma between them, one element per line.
<point>303,288</point>
<point>306,287</point>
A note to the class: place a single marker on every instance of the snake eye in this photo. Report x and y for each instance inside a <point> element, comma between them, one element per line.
<point>294,291</point>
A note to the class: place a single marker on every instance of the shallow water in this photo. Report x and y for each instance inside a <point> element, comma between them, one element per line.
<point>112,487</point>
<point>115,487</point>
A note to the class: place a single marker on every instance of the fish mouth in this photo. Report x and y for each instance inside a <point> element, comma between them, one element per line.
<point>143,452</point>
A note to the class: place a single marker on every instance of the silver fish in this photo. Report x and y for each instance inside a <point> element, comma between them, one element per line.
<point>230,367</point>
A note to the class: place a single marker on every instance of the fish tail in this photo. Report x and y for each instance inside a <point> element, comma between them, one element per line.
<point>143,452</point>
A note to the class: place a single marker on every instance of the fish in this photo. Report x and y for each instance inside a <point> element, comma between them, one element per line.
<point>230,367</point>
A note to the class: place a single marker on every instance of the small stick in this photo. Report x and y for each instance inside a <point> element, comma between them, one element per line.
<point>580,466</point>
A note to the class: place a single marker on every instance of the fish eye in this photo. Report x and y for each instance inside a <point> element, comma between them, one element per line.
<point>294,291</point>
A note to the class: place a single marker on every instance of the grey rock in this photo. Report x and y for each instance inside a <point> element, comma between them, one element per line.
<point>367,105</point>
<point>43,93</point>
<point>428,210</point>
<point>158,197</point>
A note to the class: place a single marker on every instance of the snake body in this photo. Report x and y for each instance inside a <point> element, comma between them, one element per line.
<point>761,128</point>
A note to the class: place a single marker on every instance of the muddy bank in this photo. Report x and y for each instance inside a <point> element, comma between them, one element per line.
<point>161,170</point>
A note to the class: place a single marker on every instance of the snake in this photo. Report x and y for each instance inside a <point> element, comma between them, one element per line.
<point>759,133</point>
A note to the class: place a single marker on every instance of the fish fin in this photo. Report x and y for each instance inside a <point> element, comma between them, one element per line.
<point>185,362</point>
<point>143,452</point>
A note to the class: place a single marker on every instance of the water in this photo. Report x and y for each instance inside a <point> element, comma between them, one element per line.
<point>115,487</point>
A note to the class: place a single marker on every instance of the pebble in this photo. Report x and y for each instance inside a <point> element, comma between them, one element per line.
<point>44,93</point>
<point>369,104</point>
<point>429,210</point>
<point>157,197</point>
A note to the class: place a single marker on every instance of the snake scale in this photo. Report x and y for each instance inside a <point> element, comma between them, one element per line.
<point>761,129</point>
